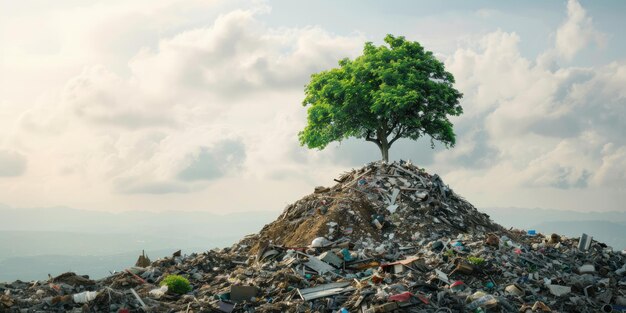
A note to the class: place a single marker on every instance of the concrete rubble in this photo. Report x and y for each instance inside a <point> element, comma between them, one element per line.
<point>385,238</point>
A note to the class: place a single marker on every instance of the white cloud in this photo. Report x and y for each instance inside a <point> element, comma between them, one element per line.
<point>99,96</point>
<point>172,111</point>
<point>550,127</point>
<point>576,32</point>
<point>573,35</point>
<point>209,163</point>
<point>502,71</point>
<point>612,171</point>
<point>12,163</point>
<point>201,106</point>
<point>238,55</point>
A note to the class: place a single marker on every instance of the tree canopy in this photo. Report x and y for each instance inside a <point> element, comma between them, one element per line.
<point>392,91</point>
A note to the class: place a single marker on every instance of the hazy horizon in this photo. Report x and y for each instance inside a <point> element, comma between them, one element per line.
<point>36,242</point>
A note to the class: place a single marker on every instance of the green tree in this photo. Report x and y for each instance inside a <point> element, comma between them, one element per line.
<point>393,91</point>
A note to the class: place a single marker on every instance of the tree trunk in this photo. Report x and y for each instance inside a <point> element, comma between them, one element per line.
<point>384,150</point>
<point>381,142</point>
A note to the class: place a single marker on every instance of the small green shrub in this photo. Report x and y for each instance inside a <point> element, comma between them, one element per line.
<point>475,260</point>
<point>176,284</point>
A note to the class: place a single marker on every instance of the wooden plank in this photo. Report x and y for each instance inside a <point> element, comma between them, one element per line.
<point>357,178</point>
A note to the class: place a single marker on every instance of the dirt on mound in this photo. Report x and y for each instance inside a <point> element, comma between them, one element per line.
<point>395,201</point>
<point>329,214</point>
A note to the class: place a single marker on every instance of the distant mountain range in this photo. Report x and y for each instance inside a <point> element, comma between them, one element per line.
<point>41,241</point>
<point>38,241</point>
<point>75,220</point>
<point>38,267</point>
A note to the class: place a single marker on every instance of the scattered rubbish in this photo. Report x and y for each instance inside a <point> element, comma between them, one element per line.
<point>318,265</point>
<point>401,297</point>
<point>481,300</point>
<point>587,268</point>
<point>158,292</point>
<point>457,285</point>
<point>323,291</point>
<point>442,276</point>
<point>537,307</point>
<point>73,279</point>
<point>492,240</point>
<point>321,189</point>
<point>6,302</point>
<point>331,258</point>
<point>319,242</point>
<point>559,290</point>
<point>84,296</point>
<point>347,256</point>
<point>143,305</point>
<point>514,290</point>
<point>385,238</point>
<point>392,208</point>
<point>584,242</point>
<point>143,260</point>
<point>226,307</point>
<point>554,239</point>
<point>400,266</point>
<point>242,293</point>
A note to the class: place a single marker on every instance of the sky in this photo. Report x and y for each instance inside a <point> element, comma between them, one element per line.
<point>196,105</point>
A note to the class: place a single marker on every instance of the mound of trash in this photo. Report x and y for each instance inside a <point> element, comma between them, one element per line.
<point>376,205</point>
<point>385,238</point>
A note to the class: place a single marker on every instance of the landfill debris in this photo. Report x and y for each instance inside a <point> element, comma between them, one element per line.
<point>331,258</point>
<point>587,268</point>
<point>559,290</point>
<point>385,238</point>
<point>73,280</point>
<point>143,260</point>
<point>584,242</point>
<point>242,293</point>
<point>158,292</point>
<point>323,291</point>
<point>514,290</point>
<point>85,296</point>
<point>138,298</point>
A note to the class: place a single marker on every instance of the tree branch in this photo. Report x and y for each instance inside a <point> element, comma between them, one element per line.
<point>393,126</point>
<point>374,140</point>
<point>397,136</point>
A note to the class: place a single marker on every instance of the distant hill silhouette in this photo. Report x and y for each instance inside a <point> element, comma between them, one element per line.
<point>38,241</point>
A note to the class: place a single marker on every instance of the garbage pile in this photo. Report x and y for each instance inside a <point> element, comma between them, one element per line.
<point>385,238</point>
<point>377,205</point>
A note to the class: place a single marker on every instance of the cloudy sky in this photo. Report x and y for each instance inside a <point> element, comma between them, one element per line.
<point>195,105</point>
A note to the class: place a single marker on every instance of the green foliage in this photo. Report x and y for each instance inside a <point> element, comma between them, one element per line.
<point>449,253</point>
<point>177,284</point>
<point>475,260</point>
<point>393,91</point>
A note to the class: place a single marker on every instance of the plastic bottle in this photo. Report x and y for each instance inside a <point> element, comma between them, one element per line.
<point>487,301</point>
